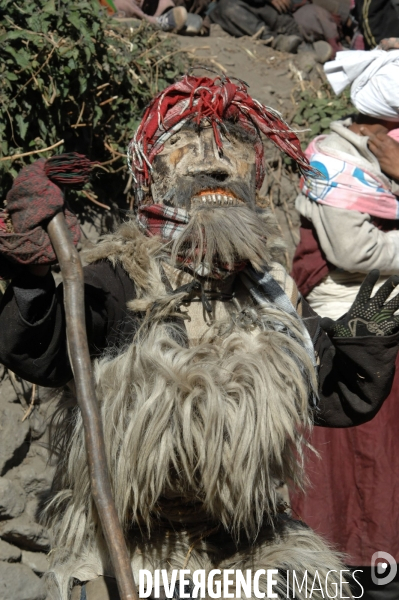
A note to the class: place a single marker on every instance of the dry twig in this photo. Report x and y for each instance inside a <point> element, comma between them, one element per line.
<point>258,33</point>
<point>32,403</point>
<point>95,201</point>
<point>114,152</point>
<point>108,100</point>
<point>15,156</point>
<point>80,116</point>
<point>129,183</point>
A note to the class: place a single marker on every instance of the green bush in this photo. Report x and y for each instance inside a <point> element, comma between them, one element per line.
<point>67,72</point>
<point>316,110</point>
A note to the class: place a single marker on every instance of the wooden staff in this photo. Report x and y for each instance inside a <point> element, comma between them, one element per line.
<point>78,348</point>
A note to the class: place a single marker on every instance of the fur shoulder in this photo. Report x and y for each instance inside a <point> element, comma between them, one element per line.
<point>138,254</point>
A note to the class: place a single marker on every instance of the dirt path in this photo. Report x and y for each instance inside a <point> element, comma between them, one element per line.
<point>268,73</point>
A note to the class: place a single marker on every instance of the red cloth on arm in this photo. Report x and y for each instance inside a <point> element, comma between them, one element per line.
<point>309,264</point>
<point>33,200</point>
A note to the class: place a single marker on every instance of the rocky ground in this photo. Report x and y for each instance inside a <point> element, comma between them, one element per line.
<point>26,476</point>
<point>25,470</point>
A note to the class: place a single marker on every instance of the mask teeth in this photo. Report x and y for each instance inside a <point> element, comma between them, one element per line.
<point>215,200</point>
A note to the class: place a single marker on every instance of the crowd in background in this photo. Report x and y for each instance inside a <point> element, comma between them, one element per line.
<point>350,227</point>
<point>320,26</point>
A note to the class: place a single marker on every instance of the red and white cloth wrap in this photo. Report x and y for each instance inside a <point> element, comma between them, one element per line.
<point>215,101</point>
<point>341,183</point>
<point>165,221</point>
<point>168,223</point>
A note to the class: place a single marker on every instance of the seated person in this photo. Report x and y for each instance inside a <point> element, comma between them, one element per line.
<point>289,23</point>
<point>378,19</point>
<point>163,14</point>
<point>350,227</point>
<point>200,343</point>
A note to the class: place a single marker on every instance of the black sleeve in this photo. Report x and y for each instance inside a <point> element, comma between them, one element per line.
<point>32,322</point>
<point>355,374</point>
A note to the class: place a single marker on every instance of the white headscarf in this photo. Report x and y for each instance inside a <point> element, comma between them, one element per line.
<point>374,75</point>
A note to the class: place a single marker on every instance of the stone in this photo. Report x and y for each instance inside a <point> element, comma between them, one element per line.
<point>37,561</point>
<point>9,553</point>
<point>306,61</point>
<point>7,391</point>
<point>15,389</point>
<point>34,506</point>
<point>25,533</point>
<point>18,582</point>
<point>269,89</point>
<point>13,433</point>
<point>12,499</point>
<point>38,424</point>
<point>34,475</point>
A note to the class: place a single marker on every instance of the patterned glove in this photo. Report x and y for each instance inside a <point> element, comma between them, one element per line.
<point>368,315</point>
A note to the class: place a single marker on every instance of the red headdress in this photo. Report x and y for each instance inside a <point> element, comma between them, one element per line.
<point>216,100</point>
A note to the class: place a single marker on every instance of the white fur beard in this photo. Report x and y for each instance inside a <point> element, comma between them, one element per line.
<point>225,236</point>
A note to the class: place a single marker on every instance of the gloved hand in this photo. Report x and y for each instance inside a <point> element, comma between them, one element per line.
<point>368,316</point>
<point>33,200</point>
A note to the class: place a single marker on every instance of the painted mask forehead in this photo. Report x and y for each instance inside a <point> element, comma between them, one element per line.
<point>191,164</point>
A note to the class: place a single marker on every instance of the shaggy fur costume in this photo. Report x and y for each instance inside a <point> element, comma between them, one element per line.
<point>197,438</point>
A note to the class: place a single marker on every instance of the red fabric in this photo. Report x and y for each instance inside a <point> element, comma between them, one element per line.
<point>164,221</point>
<point>168,223</point>
<point>357,42</point>
<point>33,198</point>
<point>109,5</point>
<point>33,247</point>
<point>214,101</point>
<point>32,201</point>
<point>309,265</point>
<point>353,497</point>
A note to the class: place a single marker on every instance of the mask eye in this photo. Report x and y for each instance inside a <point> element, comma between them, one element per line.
<point>174,140</point>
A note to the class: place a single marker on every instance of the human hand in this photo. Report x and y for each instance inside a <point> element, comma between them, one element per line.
<point>368,315</point>
<point>386,150</point>
<point>389,43</point>
<point>282,6</point>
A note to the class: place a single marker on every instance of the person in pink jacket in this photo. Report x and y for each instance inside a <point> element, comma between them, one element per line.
<point>350,226</point>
